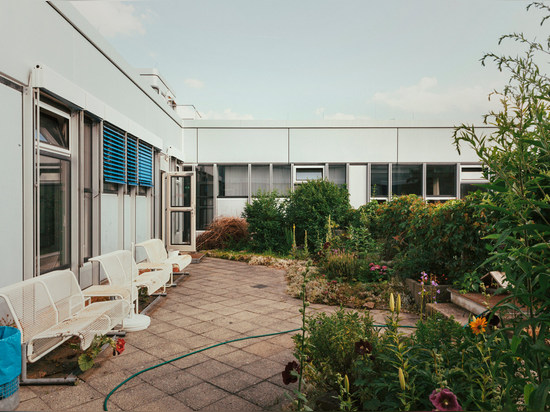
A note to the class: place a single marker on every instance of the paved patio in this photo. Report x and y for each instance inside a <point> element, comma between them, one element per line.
<point>221,300</point>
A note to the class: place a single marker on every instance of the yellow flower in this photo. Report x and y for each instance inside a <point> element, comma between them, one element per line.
<point>401,378</point>
<point>392,303</point>
<point>478,325</point>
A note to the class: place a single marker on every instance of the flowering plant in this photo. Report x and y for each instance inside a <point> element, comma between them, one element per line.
<point>86,359</point>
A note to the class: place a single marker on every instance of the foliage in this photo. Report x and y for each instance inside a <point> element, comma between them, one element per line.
<point>445,238</point>
<point>265,217</point>
<point>310,206</point>
<point>87,358</point>
<point>224,232</point>
<point>516,159</point>
<point>341,265</point>
<point>391,371</point>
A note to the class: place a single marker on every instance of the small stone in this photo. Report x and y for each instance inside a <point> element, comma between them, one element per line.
<point>368,305</point>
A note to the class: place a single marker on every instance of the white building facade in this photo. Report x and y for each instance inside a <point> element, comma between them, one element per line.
<point>235,159</point>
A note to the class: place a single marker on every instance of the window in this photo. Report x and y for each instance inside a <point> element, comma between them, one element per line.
<point>54,130</point>
<point>441,180</point>
<point>305,173</point>
<point>54,213</point>
<point>114,155</point>
<point>379,180</point>
<point>471,179</point>
<point>233,181</point>
<point>281,179</point>
<point>406,180</point>
<point>87,205</point>
<point>205,196</point>
<point>337,174</point>
<point>259,179</point>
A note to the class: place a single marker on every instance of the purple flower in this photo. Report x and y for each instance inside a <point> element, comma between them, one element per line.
<point>444,400</point>
<point>434,283</point>
<point>288,377</point>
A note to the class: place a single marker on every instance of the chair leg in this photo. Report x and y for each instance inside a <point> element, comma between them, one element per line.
<point>23,380</point>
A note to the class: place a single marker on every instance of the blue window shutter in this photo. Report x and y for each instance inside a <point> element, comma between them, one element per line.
<point>145,169</point>
<point>114,155</point>
<point>132,160</point>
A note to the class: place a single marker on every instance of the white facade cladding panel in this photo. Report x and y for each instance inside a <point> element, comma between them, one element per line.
<point>357,185</point>
<point>343,145</point>
<point>129,221</point>
<point>110,228</point>
<point>11,207</point>
<point>243,145</point>
<point>231,206</point>
<point>190,145</point>
<point>431,145</point>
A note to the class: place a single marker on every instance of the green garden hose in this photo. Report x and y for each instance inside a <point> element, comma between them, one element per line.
<point>209,347</point>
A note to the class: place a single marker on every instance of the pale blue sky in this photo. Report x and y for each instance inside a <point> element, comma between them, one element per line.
<point>306,59</point>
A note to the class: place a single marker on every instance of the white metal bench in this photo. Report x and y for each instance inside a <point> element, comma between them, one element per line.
<point>121,271</point>
<point>157,257</point>
<point>49,310</point>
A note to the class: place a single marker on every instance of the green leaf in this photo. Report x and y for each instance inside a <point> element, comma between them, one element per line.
<point>537,398</point>
<point>85,362</point>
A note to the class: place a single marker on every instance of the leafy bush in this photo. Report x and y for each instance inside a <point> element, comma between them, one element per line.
<point>341,265</point>
<point>265,217</point>
<point>224,232</point>
<point>310,206</point>
<point>473,363</point>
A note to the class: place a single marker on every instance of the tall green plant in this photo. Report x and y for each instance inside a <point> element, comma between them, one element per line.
<point>516,159</point>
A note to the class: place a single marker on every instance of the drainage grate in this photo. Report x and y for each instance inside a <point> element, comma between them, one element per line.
<point>260,286</point>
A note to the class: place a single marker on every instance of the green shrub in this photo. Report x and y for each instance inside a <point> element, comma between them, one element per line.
<point>310,206</point>
<point>266,224</point>
<point>341,265</point>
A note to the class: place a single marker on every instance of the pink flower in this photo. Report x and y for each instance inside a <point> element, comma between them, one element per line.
<point>444,400</point>
<point>385,267</point>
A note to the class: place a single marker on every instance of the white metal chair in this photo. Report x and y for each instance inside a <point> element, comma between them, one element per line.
<point>50,309</point>
<point>157,257</point>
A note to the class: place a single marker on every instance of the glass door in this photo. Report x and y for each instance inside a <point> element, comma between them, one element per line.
<point>180,211</point>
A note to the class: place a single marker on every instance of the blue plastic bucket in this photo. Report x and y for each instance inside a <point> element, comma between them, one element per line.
<point>10,361</point>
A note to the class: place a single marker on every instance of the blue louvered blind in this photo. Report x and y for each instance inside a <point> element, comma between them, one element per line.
<point>145,162</point>
<point>114,154</point>
<point>132,160</point>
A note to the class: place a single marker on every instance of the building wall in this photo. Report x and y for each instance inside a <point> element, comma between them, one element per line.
<point>350,144</point>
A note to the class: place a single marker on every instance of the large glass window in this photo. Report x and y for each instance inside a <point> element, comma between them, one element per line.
<point>441,180</point>
<point>379,180</point>
<point>233,181</point>
<point>205,196</point>
<point>337,174</point>
<point>281,179</point>
<point>259,179</point>
<point>406,180</point>
<point>54,213</point>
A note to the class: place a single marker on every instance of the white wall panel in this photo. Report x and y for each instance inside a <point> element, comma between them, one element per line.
<point>243,145</point>
<point>190,145</point>
<point>128,223</point>
<point>357,185</point>
<point>11,168</point>
<point>143,219</point>
<point>343,145</point>
<point>109,223</point>
<point>231,206</point>
<point>431,145</point>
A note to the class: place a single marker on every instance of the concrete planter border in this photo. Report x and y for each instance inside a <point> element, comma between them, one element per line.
<point>415,287</point>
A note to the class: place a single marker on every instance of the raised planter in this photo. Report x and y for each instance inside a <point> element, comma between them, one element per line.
<point>475,303</point>
<point>416,288</point>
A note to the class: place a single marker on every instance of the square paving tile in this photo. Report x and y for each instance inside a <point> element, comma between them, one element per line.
<point>135,396</point>
<point>235,380</point>
<point>264,394</point>
<point>231,403</point>
<point>201,395</point>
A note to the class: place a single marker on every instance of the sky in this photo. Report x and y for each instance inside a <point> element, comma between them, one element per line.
<point>320,59</point>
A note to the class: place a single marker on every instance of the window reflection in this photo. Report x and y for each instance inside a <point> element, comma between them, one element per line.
<point>54,213</point>
<point>54,130</point>
<point>406,180</point>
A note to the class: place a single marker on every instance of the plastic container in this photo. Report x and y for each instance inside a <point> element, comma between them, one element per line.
<point>10,367</point>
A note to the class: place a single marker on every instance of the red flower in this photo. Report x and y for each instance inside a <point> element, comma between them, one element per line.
<point>363,347</point>
<point>444,400</point>
<point>119,346</point>
<point>288,377</point>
